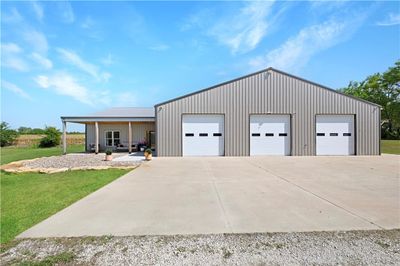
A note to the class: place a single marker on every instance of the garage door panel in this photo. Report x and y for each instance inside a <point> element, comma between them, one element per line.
<point>335,134</point>
<point>203,135</point>
<point>269,135</point>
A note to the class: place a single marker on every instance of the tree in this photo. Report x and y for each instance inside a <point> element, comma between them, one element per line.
<point>52,138</point>
<point>7,135</point>
<point>382,89</point>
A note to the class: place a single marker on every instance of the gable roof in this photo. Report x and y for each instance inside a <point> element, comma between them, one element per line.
<point>266,70</point>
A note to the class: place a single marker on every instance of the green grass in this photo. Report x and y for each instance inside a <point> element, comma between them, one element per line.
<point>390,146</point>
<point>12,154</point>
<point>28,198</point>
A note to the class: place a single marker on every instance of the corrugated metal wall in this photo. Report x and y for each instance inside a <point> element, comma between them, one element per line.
<point>139,131</point>
<point>267,92</point>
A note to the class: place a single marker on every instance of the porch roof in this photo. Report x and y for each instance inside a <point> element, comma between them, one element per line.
<point>118,114</point>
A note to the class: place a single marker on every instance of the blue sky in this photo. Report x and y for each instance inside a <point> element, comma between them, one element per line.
<point>75,58</point>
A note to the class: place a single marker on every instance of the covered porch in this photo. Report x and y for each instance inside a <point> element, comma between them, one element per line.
<point>110,130</point>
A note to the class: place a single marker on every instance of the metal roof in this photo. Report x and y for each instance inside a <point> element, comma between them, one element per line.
<point>125,112</point>
<point>116,114</point>
<point>258,72</point>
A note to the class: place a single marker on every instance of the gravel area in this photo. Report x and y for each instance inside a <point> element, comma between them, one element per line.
<point>380,247</point>
<point>76,160</point>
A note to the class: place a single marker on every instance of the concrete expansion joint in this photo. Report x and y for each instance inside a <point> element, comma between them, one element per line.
<point>316,195</point>
<point>220,204</point>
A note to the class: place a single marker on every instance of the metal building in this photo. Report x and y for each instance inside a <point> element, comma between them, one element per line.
<point>267,113</point>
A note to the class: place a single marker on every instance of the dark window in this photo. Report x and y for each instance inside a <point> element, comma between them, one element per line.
<point>333,134</point>
<point>217,134</point>
<point>320,134</point>
<point>347,134</point>
<point>282,134</point>
<point>269,134</point>
<point>203,134</point>
<point>189,135</point>
<point>255,134</point>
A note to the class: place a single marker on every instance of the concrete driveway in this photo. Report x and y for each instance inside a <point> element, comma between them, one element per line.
<point>238,194</point>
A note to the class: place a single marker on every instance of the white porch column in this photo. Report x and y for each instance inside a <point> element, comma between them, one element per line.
<point>96,149</point>
<point>64,136</point>
<point>129,137</point>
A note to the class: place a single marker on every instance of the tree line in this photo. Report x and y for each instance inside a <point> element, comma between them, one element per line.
<point>383,89</point>
<point>52,136</point>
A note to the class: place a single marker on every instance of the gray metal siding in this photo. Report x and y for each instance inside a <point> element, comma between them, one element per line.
<point>268,92</point>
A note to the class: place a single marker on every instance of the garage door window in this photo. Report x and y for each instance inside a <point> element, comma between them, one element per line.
<point>320,134</point>
<point>217,134</point>
<point>347,134</point>
<point>189,135</point>
<point>203,135</point>
<point>333,134</point>
<point>269,134</point>
<point>255,134</point>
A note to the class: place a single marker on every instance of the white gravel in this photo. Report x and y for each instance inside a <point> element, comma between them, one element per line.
<point>320,248</point>
<point>77,160</point>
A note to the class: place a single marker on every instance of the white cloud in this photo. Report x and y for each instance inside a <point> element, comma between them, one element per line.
<point>43,61</point>
<point>15,89</point>
<point>66,12</point>
<point>108,60</point>
<point>38,9</point>
<point>244,31</point>
<point>11,57</point>
<point>13,17</point>
<point>65,84</point>
<point>159,47</point>
<point>75,60</point>
<point>10,48</point>
<point>299,49</point>
<point>391,20</point>
<point>88,23</point>
<point>37,41</point>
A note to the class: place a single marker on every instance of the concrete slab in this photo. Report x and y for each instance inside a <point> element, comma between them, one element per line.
<point>238,194</point>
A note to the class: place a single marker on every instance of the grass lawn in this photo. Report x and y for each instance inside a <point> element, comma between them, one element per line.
<point>28,198</point>
<point>390,146</point>
<point>11,154</point>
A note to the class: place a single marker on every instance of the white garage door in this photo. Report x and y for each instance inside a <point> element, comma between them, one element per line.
<point>269,135</point>
<point>335,134</point>
<point>203,135</point>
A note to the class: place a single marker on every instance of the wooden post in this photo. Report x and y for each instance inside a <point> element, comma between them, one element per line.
<point>129,137</point>
<point>96,149</point>
<point>64,136</point>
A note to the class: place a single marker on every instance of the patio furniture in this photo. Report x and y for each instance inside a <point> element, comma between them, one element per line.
<point>92,147</point>
<point>125,147</point>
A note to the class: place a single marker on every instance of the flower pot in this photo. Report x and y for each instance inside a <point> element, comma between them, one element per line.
<point>109,158</point>
<point>148,157</point>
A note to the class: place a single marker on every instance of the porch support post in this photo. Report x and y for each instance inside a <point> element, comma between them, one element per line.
<point>129,136</point>
<point>64,136</point>
<point>96,125</point>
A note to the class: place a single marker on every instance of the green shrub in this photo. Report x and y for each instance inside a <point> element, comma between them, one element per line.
<point>7,135</point>
<point>52,138</point>
<point>149,151</point>
<point>108,151</point>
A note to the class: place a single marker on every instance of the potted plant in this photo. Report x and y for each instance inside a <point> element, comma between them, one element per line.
<point>148,154</point>
<point>109,155</point>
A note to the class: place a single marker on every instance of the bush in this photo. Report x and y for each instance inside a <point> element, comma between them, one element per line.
<point>149,151</point>
<point>7,135</point>
<point>108,151</point>
<point>52,138</point>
